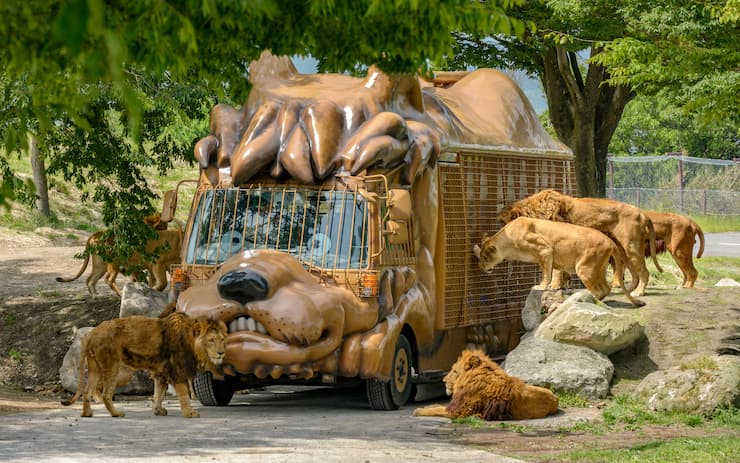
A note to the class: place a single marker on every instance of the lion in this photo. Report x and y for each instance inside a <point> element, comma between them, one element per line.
<point>556,245</point>
<point>480,388</point>
<point>168,241</point>
<point>628,225</point>
<point>678,232</point>
<point>172,349</point>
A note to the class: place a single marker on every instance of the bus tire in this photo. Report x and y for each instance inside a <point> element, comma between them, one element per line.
<point>210,391</point>
<point>393,394</point>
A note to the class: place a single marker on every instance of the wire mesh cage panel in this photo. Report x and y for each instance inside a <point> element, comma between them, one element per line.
<point>474,191</point>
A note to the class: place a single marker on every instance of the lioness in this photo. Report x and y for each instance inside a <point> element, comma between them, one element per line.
<point>556,245</point>
<point>627,224</point>
<point>480,388</point>
<point>678,232</point>
<point>172,238</point>
<point>172,349</point>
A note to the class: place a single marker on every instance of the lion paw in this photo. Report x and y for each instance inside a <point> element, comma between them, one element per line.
<point>191,414</point>
<point>160,411</point>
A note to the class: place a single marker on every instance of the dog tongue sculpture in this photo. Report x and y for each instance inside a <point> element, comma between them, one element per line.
<point>309,126</point>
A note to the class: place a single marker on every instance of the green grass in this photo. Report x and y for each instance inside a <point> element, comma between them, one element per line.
<point>717,224</point>
<point>570,400</point>
<point>68,212</point>
<point>718,449</point>
<point>711,269</point>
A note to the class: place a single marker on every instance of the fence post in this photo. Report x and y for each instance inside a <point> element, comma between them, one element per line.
<point>638,196</point>
<point>611,179</point>
<point>704,202</point>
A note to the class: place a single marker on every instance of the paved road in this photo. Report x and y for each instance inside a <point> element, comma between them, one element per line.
<point>720,244</point>
<point>282,425</point>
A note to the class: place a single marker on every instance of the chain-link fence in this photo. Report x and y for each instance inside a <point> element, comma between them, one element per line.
<point>681,184</point>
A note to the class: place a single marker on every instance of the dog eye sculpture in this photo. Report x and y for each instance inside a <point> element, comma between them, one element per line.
<point>310,126</point>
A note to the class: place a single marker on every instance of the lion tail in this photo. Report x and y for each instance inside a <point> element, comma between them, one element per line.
<point>84,264</point>
<point>651,232</point>
<point>698,232</point>
<point>80,374</point>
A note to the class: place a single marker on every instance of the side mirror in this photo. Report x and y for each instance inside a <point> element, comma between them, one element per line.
<point>169,205</point>
<point>399,205</point>
<point>399,216</point>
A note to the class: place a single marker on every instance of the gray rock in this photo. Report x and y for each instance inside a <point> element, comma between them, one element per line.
<point>699,386</point>
<point>727,282</point>
<point>139,299</point>
<point>584,321</point>
<point>563,367</point>
<point>540,302</point>
<point>141,383</point>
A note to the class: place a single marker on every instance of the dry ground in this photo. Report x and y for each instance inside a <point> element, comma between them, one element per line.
<point>38,317</point>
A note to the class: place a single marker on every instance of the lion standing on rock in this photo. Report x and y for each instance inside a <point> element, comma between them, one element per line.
<point>171,348</point>
<point>480,388</point>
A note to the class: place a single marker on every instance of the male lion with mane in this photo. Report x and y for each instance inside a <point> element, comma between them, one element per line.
<point>625,223</point>
<point>556,245</point>
<point>171,348</point>
<point>480,388</point>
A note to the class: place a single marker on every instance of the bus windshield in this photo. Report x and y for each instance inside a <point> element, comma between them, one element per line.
<point>327,229</point>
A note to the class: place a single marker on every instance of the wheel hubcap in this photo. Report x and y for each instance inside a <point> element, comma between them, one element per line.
<point>401,376</point>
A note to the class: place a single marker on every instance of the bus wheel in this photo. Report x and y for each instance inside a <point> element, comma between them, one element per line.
<point>393,394</point>
<point>210,391</point>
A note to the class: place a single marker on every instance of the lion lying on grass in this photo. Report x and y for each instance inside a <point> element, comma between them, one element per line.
<point>627,224</point>
<point>168,241</point>
<point>556,245</point>
<point>171,348</point>
<point>480,388</point>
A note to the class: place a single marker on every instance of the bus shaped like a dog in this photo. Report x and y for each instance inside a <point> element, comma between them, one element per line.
<point>333,223</point>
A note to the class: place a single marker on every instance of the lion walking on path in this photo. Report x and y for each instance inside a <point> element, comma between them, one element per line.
<point>172,349</point>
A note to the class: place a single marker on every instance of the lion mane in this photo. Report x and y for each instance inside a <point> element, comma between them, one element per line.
<point>171,348</point>
<point>480,388</point>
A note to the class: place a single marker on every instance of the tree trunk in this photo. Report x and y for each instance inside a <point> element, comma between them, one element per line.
<point>39,178</point>
<point>584,113</point>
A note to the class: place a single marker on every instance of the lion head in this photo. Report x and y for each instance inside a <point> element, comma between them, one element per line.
<point>487,254</point>
<point>209,341</point>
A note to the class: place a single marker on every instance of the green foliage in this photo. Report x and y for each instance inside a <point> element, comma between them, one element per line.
<point>652,125</point>
<point>112,88</point>
<point>471,421</point>
<point>15,355</point>
<point>687,48</point>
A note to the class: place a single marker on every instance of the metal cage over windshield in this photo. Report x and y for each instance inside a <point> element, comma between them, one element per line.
<point>325,228</point>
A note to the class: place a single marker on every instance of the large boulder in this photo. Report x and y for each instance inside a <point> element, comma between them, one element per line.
<point>140,384</point>
<point>699,386</point>
<point>582,320</point>
<point>139,299</point>
<point>562,367</point>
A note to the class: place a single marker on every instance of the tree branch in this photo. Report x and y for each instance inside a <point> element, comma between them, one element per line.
<point>568,78</point>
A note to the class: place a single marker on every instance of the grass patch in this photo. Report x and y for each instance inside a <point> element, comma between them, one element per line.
<point>570,400</point>
<point>703,363</point>
<point>711,269</point>
<point>717,224</point>
<point>720,449</point>
<point>472,421</point>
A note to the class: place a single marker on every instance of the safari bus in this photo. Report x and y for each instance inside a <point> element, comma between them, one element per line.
<point>333,222</point>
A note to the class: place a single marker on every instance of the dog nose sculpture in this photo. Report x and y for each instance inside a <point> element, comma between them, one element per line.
<point>243,286</point>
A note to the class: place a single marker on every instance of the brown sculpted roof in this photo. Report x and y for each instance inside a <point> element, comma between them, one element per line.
<point>309,126</point>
